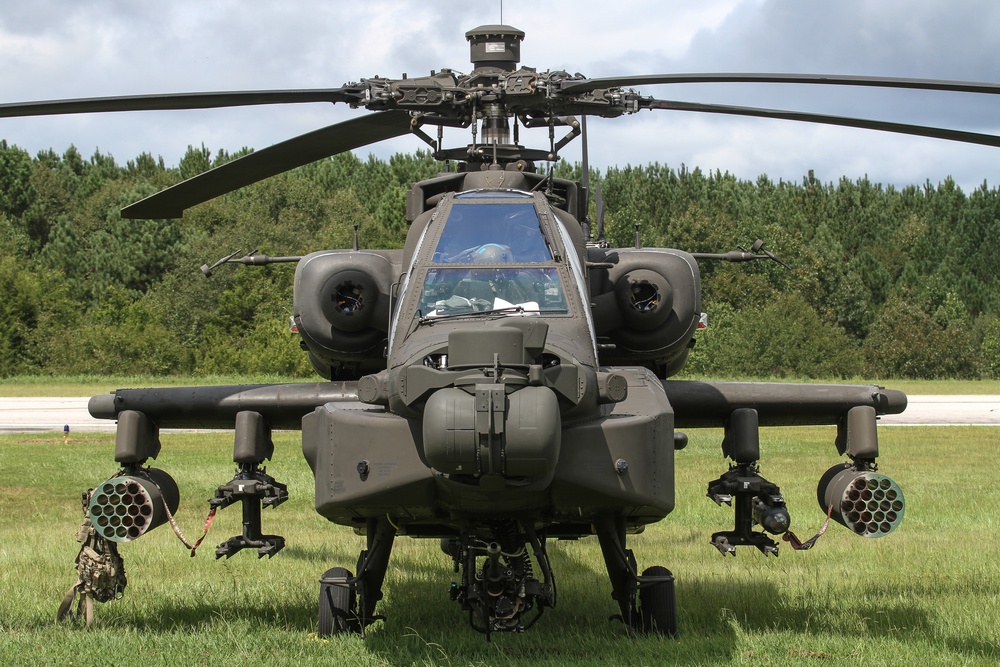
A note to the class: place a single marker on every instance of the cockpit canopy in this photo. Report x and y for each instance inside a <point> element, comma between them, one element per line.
<point>494,232</point>
<point>497,255</point>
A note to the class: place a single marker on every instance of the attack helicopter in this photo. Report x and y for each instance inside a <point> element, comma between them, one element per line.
<point>503,379</point>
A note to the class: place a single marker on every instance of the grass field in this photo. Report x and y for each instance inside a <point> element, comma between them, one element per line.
<point>927,594</point>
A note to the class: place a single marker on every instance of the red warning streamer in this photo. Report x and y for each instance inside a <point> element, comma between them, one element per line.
<point>798,545</point>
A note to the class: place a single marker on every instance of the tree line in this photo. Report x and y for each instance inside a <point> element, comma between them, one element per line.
<point>884,282</point>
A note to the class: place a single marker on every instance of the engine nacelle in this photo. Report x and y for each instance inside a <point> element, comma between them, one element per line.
<point>648,304</point>
<point>341,308</point>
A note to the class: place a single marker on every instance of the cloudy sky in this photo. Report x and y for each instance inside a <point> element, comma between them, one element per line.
<point>53,49</point>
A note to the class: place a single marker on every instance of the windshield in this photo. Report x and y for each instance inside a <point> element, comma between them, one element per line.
<point>448,291</point>
<point>492,233</point>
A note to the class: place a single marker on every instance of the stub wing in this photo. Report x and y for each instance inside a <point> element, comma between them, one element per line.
<point>281,405</point>
<point>700,404</point>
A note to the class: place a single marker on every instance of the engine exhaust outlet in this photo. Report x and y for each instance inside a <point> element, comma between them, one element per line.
<point>127,507</point>
<point>868,503</point>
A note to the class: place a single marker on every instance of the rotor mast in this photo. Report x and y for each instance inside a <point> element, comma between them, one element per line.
<point>495,51</point>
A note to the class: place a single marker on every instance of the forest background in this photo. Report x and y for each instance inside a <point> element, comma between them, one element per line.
<point>885,282</point>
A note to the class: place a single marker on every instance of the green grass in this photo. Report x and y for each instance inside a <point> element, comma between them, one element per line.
<point>43,385</point>
<point>929,593</point>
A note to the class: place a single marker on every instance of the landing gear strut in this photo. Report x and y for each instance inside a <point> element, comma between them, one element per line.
<point>347,602</point>
<point>647,601</point>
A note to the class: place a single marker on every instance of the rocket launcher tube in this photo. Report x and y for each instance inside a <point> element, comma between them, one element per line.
<point>126,507</point>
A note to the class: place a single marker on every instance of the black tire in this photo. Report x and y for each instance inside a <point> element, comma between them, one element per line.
<point>337,605</point>
<point>658,604</point>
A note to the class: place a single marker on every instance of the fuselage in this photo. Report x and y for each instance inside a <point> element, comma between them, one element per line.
<point>492,401</point>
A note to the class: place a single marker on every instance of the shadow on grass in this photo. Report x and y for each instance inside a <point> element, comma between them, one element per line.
<point>713,612</point>
<point>310,554</point>
<point>423,625</point>
<point>169,616</point>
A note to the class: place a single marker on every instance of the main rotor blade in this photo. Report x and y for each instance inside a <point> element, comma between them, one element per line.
<point>585,176</point>
<point>880,125</point>
<point>174,101</point>
<point>587,85</point>
<point>276,159</point>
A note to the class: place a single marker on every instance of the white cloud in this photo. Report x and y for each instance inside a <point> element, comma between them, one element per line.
<point>64,48</point>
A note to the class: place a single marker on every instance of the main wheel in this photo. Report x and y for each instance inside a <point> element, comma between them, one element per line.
<point>658,604</point>
<point>337,605</point>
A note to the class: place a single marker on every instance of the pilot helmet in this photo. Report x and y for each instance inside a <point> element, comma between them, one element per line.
<point>492,253</point>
